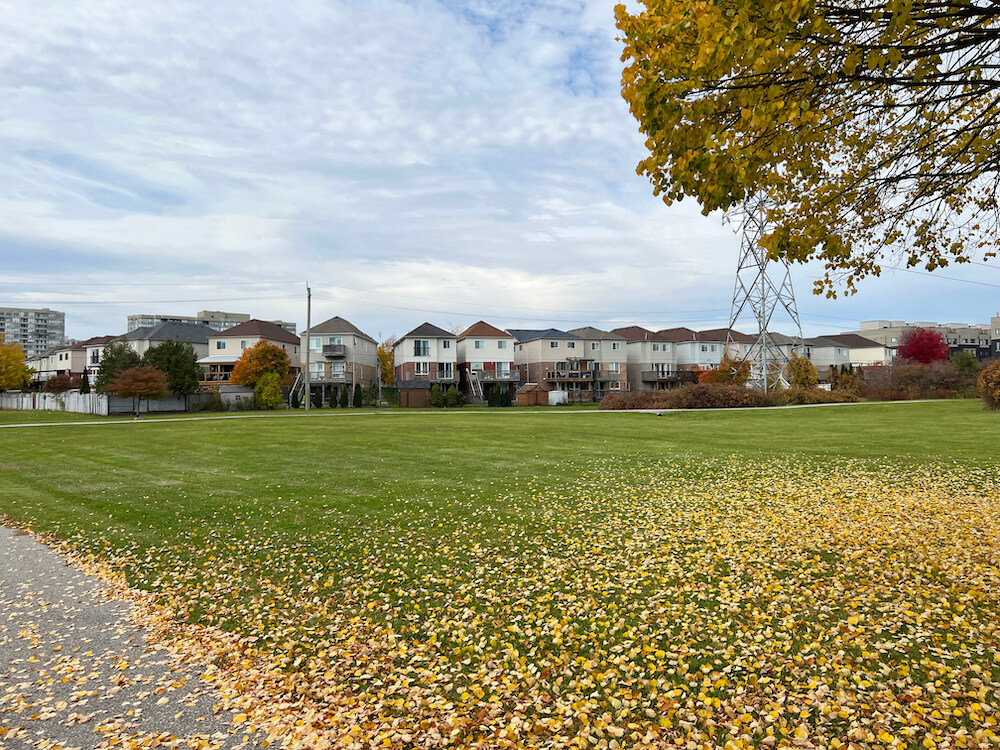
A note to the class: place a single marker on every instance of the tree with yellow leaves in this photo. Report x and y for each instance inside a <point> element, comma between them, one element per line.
<point>257,361</point>
<point>386,361</point>
<point>14,373</point>
<point>873,126</point>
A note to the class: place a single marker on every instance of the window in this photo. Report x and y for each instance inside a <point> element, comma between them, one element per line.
<point>893,340</point>
<point>553,345</point>
<point>446,344</point>
<point>421,368</point>
<point>704,347</point>
<point>616,345</point>
<point>503,344</point>
<point>316,369</point>
<point>616,385</point>
<point>520,347</point>
<point>614,366</point>
<point>571,345</point>
<point>595,346</point>
<point>355,341</point>
<point>656,347</point>
<point>476,365</point>
<point>245,344</point>
<point>220,344</point>
<point>714,347</point>
<point>478,344</point>
<point>338,369</point>
<point>421,348</point>
<point>315,343</point>
<point>336,340</point>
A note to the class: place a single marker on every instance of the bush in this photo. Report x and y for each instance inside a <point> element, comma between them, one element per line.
<point>58,384</point>
<point>358,397</point>
<point>452,398</point>
<point>369,397</point>
<point>437,397</point>
<point>267,392</point>
<point>720,396</point>
<point>905,380</point>
<point>317,397</point>
<point>344,398</point>
<point>989,386</point>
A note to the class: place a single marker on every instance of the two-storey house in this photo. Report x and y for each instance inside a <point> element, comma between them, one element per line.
<point>226,347</point>
<point>556,360</point>
<point>610,355</point>
<point>340,356</point>
<point>423,357</point>
<point>486,361</point>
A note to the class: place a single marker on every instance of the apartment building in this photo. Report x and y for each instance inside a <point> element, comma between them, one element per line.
<point>217,320</point>
<point>36,330</point>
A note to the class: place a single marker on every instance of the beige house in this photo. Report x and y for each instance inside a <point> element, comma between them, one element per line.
<point>555,360</point>
<point>340,356</point>
<point>609,351</point>
<point>226,347</point>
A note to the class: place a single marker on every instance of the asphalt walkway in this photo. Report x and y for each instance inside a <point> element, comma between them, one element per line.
<point>76,672</point>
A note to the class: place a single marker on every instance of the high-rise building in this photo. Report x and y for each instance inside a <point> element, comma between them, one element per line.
<point>35,330</point>
<point>217,320</point>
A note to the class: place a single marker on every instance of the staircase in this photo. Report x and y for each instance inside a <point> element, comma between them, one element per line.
<point>298,385</point>
<point>476,386</point>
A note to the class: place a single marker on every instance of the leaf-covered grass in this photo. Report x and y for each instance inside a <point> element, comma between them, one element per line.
<point>556,579</point>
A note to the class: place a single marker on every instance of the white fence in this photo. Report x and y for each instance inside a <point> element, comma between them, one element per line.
<point>96,403</point>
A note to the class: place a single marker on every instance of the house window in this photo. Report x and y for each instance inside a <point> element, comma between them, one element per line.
<point>245,344</point>
<point>421,348</point>
<point>478,344</point>
<point>316,369</point>
<point>338,368</point>
<point>616,345</point>
<point>476,365</point>
<point>704,347</point>
<point>446,344</point>
<point>501,345</point>
<point>220,344</point>
<point>614,366</point>
<point>595,346</point>
<point>355,340</point>
<point>315,343</point>
<point>421,368</point>
<point>337,340</point>
<point>893,340</point>
<point>571,345</point>
<point>616,385</point>
<point>656,347</point>
<point>553,345</point>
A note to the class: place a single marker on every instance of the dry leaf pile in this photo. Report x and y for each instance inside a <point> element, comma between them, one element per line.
<point>673,603</point>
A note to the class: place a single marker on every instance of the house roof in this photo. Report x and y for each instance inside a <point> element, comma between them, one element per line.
<point>530,334</point>
<point>820,341</point>
<point>635,333</point>
<point>483,329</point>
<point>92,341</point>
<point>854,341</point>
<point>191,333</point>
<point>589,332</point>
<point>220,359</point>
<point>722,334</point>
<point>430,331</point>
<point>337,324</point>
<point>678,334</point>
<point>263,328</point>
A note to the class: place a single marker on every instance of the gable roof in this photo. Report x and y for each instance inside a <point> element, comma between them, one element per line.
<point>678,334</point>
<point>262,328</point>
<point>722,334</point>
<point>854,341</point>
<point>530,334</point>
<point>484,329</point>
<point>191,333</point>
<point>430,331</point>
<point>337,324</point>
<point>820,341</point>
<point>589,332</point>
<point>92,341</point>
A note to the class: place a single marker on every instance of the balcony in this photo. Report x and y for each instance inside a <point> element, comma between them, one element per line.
<point>336,378</point>
<point>436,376</point>
<point>569,375</point>
<point>335,351</point>
<point>498,376</point>
<point>608,375</point>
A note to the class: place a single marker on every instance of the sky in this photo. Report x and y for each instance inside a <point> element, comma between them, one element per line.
<point>434,160</point>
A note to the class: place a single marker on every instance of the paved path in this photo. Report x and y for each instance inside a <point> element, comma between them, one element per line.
<point>75,672</point>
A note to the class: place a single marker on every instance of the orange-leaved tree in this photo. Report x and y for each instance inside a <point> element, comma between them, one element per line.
<point>138,383</point>
<point>257,361</point>
<point>387,360</point>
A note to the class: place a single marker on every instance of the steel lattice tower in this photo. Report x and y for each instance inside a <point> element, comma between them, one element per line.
<point>757,293</point>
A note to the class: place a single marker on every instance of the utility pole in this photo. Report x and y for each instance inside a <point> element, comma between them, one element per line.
<point>308,394</point>
<point>378,359</point>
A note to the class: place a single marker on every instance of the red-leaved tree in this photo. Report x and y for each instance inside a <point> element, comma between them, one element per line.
<point>923,346</point>
<point>138,383</point>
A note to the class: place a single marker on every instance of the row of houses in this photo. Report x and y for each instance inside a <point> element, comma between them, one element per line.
<point>585,363</point>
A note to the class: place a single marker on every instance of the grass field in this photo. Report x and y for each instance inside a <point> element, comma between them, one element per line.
<point>819,576</point>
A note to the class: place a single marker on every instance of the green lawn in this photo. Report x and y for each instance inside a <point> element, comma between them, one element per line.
<point>536,576</point>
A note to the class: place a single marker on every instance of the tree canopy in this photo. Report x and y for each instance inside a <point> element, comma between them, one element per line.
<point>179,362</point>
<point>386,361</point>
<point>138,383</point>
<point>257,361</point>
<point>117,357</point>
<point>14,373</point>
<point>872,126</point>
<point>923,346</point>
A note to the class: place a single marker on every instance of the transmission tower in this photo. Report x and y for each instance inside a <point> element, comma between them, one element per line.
<point>759,295</point>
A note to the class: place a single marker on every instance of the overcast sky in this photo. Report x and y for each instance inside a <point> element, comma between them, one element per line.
<point>439,160</point>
